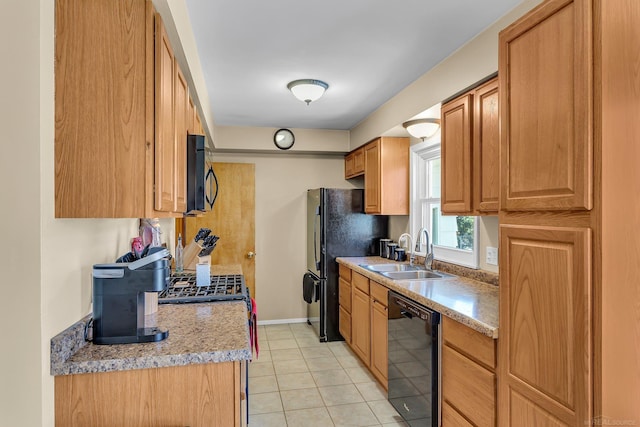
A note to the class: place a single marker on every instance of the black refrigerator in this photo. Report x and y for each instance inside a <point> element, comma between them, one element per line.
<point>336,227</point>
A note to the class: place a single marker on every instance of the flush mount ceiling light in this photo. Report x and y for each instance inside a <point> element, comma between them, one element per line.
<point>307,90</point>
<point>422,128</point>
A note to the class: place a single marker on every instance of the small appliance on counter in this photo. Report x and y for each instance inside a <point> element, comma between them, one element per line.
<point>119,298</point>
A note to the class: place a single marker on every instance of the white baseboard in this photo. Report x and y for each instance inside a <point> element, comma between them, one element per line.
<point>281,321</point>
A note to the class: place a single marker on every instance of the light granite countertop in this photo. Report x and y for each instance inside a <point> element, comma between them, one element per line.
<point>198,333</point>
<point>465,300</point>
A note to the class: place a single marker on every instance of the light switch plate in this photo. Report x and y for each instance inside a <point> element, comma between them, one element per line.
<point>492,255</point>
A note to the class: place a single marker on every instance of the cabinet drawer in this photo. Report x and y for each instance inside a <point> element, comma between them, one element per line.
<point>360,282</point>
<point>468,387</point>
<point>344,295</point>
<point>473,344</point>
<point>345,272</point>
<point>378,292</point>
<point>344,324</point>
<point>452,418</point>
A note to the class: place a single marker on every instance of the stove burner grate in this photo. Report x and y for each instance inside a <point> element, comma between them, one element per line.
<point>182,289</point>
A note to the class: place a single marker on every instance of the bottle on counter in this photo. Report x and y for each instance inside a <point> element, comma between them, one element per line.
<point>179,255</point>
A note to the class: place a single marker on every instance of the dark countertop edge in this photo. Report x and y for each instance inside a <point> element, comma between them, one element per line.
<point>481,327</point>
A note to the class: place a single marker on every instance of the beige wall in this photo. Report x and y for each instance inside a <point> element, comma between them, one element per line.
<point>261,139</point>
<point>282,181</point>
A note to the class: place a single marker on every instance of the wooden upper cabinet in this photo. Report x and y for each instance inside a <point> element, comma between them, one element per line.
<point>165,131</point>
<point>545,344</point>
<point>456,148</point>
<point>191,117</point>
<point>103,114</point>
<point>354,163</point>
<point>181,115</point>
<point>546,80</point>
<point>386,176</point>
<point>470,152</point>
<point>486,148</point>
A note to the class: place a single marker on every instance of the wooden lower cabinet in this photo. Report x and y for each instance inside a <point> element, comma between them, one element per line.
<point>468,376</point>
<point>379,350</point>
<point>344,300</point>
<point>361,326</point>
<point>207,395</point>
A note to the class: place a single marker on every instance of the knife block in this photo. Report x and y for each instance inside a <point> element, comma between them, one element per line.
<point>190,255</point>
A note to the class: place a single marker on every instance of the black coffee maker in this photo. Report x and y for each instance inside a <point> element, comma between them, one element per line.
<point>119,298</point>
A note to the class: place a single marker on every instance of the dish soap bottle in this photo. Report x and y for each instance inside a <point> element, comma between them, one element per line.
<point>179,255</point>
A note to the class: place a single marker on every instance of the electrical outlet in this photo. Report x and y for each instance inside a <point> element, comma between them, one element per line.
<point>492,255</point>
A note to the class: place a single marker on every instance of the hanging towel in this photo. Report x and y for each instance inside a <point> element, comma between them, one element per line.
<point>308,287</point>
<point>253,329</point>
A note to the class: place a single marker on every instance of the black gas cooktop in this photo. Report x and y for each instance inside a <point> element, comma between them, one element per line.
<point>182,289</point>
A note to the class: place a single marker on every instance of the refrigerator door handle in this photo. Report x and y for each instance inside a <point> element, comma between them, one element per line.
<point>315,237</point>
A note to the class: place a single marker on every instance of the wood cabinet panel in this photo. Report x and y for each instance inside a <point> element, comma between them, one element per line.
<point>344,272</point>
<point>195,395</point>
<point>344,294</point>
<point>546,111</point>
<point>545,345</point>
<point>358,281</point>
<point>361,325</point>
<point>181,109</point>
<point>344,324</point>
<point>468,387</point>
<point>103,111</point>
<point>379,293</point>
<point>526,413</point>
<point>372,177</point>
<point>486,148</point>
<point>386,177</point>
<point>354,163</point>
<point>456,155</point>
<point>452,418</point>
<point>474,345</point>
<point>164,120</point>
<point>379,350</point>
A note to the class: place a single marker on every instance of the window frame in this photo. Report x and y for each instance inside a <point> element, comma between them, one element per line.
<point>420,153</point>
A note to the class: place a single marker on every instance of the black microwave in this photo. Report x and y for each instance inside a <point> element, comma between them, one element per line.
<point>202,184</point>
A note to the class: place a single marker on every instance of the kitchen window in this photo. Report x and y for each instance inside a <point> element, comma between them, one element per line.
<point>454,238</point>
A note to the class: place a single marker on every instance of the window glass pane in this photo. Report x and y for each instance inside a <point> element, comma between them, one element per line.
<point>451,231</point>
<point>434,178</point>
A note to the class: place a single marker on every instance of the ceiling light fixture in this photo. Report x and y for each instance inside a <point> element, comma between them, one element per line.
<point>422,128</point>
<point>307,90</point>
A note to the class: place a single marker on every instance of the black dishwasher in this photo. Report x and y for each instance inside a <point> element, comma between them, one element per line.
<point>414,361</point>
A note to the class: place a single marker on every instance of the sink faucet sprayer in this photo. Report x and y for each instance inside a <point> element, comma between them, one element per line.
<point>412,256</point>
<point>428,258</point>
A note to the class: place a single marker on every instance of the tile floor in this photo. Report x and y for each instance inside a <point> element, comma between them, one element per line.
<point>299,381</point>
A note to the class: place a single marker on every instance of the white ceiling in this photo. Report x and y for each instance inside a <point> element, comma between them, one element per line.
<point>366,50</point>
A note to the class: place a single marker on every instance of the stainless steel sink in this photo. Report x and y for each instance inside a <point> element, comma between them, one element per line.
<point>414,275</point>
<point>405,271</point>
<point>391,267</point>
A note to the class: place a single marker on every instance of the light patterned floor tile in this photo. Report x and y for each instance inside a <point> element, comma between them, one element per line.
<point>290,366</point>
<point>282,344</point>
<point>264,403</point>
<point>295,381</point>
<point>315,417</point>
<point>263,384</point>
<point>275,419</point>
<point>276,334</point>
<point>340,394</point>
<point>384,411</point>
<point>350,361</point>
<point>371,391</point>
<point>355,414</point>
<point>322,364</point>
<point>316,352</point>
<point>258,369</point>
<point>301,399</point>
<point>331,377</point>
<point>360,375</point>
<point>262,356</point>
<point>286,354</point>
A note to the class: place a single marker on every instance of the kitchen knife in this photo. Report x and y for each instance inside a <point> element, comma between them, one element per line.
<point>202,234</point>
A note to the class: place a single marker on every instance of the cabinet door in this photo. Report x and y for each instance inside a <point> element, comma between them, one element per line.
<point>344,324</point>
<point>181,110</point>
<point>358,162</point>
<point>165,134</point>
<point>486,148</point>
<point>456,155</point>
<point>372,177</point>
<point>349,166</point>
<point>545,326</point>
<point>379,351</point>
<point>545,72</point>
<point>360,326</point>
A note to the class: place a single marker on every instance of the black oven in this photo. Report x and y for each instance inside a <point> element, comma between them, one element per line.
<point>202,184</point>
<point>414,361</point>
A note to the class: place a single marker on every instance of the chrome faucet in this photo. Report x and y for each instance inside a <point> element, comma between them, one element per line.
<point>428,258</point>
<point>412,256</point>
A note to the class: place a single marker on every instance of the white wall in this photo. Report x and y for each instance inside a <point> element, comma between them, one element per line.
<point>282,181</point>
